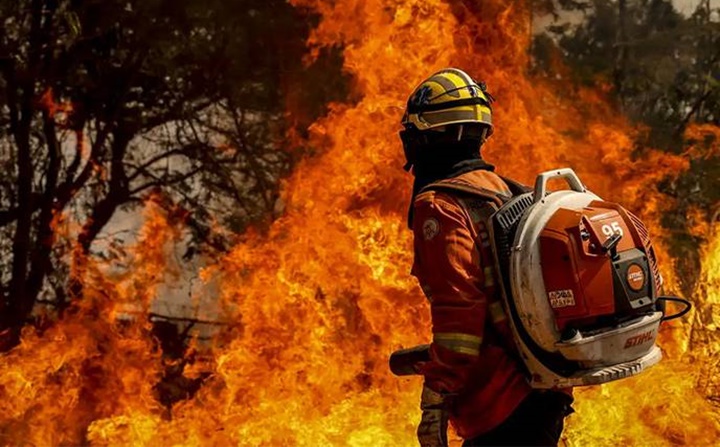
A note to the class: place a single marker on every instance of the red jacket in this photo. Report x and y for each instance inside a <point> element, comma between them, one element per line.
<point>471,349</point>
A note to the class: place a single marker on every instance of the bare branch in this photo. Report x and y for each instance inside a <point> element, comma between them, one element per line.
<point>142,169</point>
<point>166,181</point>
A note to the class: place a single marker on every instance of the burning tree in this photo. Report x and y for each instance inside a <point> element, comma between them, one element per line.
<point>104,103</point>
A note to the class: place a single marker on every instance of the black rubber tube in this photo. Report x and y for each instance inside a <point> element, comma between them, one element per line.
<point>675,299</point>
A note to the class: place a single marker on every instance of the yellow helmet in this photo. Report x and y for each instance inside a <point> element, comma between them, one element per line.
<point>449,96</point>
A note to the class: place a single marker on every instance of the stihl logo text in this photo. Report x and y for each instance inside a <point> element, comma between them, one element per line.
<point>635,277</point>
<point>640,339</point>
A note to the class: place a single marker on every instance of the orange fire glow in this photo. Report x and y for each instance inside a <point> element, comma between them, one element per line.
<point>320,302</point>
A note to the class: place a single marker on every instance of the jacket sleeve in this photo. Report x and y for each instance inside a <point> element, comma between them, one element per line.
<point>448,267</point>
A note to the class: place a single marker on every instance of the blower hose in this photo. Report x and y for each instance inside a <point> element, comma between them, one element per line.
<point>674,299</point>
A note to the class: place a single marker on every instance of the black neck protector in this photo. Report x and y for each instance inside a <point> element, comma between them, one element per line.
<point>434,164</point>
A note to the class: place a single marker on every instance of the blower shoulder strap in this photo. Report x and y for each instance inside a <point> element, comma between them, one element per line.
<point>482,203</point>
<point>495,197</point>
<point>516,188</point>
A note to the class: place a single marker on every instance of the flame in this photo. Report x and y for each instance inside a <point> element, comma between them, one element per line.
<point>56,382</point>
<point>57,111</point>
<point>320,301</point>
<point>704,140</point>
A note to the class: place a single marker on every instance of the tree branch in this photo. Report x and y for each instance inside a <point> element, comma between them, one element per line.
<point>161,181</point>
<point>142,169</point>
<point>117,195</point>
<point>40,262</point>
<point>152,315</point>
<point>68,189</point>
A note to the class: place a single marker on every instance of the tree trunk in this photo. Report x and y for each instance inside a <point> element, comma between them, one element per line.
<point>20,101</point>
<point>621,56</point>
<point>103,211</point>
<point>41,263</point>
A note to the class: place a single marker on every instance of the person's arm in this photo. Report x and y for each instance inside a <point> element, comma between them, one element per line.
<point>449,269</point>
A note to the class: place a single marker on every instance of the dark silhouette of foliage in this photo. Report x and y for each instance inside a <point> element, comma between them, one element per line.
<point>103,102</point>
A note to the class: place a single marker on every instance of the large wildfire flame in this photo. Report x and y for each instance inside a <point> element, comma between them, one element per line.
<point>320,302</point>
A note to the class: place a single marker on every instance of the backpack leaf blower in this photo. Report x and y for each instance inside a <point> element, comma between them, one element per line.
<point>580,284</point>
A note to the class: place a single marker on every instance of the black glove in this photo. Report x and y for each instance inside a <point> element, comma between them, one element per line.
<point>432,430</point>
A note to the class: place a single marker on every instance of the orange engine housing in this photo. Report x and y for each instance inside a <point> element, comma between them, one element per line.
<point>580,267</point>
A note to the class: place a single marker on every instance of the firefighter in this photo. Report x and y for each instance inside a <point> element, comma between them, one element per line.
<point>472,378</point>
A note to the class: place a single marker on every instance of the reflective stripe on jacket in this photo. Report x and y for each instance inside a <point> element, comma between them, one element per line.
<point>470,351</point>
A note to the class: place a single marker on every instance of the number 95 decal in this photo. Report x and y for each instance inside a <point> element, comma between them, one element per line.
<point>612,228</point>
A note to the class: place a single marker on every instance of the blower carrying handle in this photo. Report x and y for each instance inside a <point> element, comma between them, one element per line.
<point>405,361</point>
<point>566,173</point>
